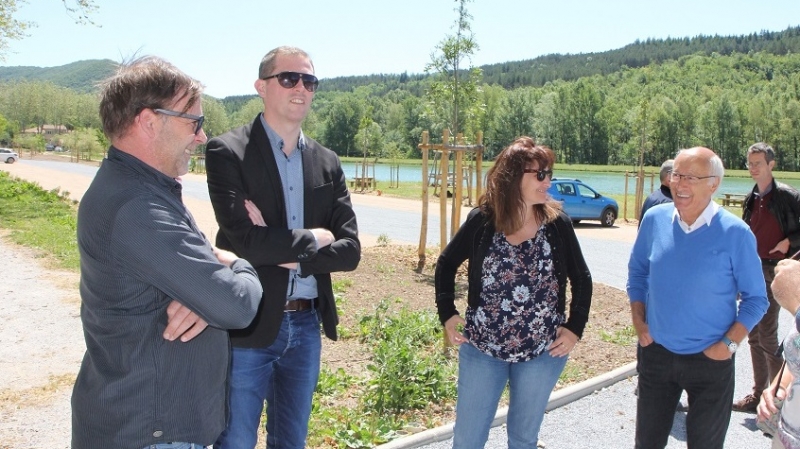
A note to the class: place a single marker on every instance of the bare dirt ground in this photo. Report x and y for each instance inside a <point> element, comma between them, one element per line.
<point>42,341</point>
<point>389,272</point>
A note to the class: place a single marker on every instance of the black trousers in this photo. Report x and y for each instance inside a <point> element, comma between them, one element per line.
<point>663,376</point>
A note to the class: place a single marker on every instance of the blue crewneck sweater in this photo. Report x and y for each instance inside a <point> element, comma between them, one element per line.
<point>690,282</point>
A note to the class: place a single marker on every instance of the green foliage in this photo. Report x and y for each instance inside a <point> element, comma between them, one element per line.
<point>10,28</point>
<point>570,373</point>
<point>84,144</point>
<point>369,139</point>
<point>383,240</point>
<point>549,68</point>
<point>6,130</point>
<point>623,337</point>
<point>343,122</point>
<point>333,382</point>
<point>216,119</point>
<point>39,219</point>
<point>247,113</point>
<point>32,104</point>
<point>453,95</point>
<point>643,101</point>
<point>409,372</point>
<point>344,427</point>
<point>31,142</point>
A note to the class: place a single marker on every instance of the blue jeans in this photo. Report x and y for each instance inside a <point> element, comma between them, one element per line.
<point>175,446</point>
<point>481,380</point>
<point>663,375</point>
<point>285,375</point>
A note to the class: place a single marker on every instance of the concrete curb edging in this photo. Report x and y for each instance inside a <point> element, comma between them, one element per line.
<point>557,399</point>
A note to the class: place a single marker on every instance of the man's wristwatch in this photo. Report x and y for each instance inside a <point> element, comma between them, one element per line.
<point>732,345</point>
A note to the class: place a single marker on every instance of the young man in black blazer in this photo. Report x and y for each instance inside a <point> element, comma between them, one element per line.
<point>281,202</point>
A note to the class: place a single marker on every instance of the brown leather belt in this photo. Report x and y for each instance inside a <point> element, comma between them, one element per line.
<point>296,305</point>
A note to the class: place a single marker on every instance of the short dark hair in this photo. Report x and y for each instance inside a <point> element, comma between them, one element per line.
<point>267,65</point>
<point>762,147</point>
<point>148,82</point>
<point>503,197</point>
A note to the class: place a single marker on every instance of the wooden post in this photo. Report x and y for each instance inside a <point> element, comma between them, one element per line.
<point>423,232</point>
<point>458,191</point>
<point>625,198</point>
<point>443,189</point>
<point>479,167</point>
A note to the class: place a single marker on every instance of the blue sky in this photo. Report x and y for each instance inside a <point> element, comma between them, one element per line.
<point>220,42</point>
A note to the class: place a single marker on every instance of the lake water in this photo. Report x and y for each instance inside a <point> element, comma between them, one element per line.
<point>606,183</point>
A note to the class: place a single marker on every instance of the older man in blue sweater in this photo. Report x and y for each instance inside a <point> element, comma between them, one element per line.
<point>689,264</point>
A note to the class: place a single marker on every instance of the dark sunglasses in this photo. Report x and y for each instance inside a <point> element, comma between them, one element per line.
<point>289,79</point>
<point>540,174</point>
<point>198,119</point>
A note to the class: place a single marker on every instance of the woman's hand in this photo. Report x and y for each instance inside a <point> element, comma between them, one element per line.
<point>766,406</point>
<point>451,330</point>
<point>564,343</point>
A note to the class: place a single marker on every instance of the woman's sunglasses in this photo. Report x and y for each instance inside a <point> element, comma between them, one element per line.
<point>540,174</point>
<point>289,79</point>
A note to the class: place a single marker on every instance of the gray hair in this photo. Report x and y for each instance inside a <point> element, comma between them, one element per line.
<point>717,169</point>
<point>666,169</point>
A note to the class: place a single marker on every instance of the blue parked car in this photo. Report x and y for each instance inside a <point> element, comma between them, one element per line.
<point>581,202</point>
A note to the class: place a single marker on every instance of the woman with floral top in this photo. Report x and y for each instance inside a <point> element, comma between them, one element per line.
<point>786,288</point>
<point>521,249</point>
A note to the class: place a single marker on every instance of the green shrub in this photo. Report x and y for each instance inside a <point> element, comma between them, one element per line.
<point>409,370</point>
<point>41,219</point>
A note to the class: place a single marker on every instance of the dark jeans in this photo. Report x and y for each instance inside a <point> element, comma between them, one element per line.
<point>285,375</point>
<point>663,376</point>
<point>763,340</point>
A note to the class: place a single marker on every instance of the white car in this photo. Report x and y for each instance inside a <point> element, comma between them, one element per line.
<point>8,156</point>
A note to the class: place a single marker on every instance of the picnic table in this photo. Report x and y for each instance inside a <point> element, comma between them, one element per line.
<point>362,183</point>
<point>732,199</point>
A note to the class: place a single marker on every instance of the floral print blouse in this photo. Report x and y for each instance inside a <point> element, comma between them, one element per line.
<point>790,412</point>
<point>518,313</point>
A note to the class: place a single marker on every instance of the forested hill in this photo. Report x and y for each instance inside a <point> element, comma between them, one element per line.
<point>538,71</point>
<point>81,76</point>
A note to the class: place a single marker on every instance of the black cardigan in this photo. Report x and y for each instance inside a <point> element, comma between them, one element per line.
<point>472,242</point>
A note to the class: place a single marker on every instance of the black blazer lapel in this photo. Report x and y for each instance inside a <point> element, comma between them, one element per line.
<point>263,175</point>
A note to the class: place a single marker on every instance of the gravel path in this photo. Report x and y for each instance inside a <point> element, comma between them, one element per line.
<point>41,350</point>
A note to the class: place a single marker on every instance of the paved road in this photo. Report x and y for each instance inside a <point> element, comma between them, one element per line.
<point>605,419</point>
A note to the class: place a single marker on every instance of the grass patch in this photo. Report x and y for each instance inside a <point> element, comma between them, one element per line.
<point>623,337</point>
<point>40,219</point>
<point>571,373</point>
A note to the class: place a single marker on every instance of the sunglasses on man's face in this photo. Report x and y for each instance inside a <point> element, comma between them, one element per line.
<point>289,79</point>
<point>540,174</point>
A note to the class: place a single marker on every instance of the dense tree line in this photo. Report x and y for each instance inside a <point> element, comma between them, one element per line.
<point>544,69</point>
<point>725,102</point>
